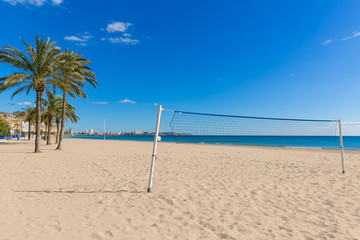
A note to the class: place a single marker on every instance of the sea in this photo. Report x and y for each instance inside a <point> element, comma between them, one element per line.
<point>317,142</point>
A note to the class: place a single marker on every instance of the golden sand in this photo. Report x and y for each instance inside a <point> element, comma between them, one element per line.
<point>96,189</point>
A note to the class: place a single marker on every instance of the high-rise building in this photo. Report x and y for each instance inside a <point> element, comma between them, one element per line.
<point>138,132</point>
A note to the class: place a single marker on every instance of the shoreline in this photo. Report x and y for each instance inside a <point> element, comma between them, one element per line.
<point>223,145</point>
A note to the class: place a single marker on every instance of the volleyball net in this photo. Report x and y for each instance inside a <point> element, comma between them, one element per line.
<point>205,128</point>
<point>190,127</point>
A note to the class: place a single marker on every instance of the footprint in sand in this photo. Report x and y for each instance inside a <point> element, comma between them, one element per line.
<point>96,236</point>
<point>56,228</point>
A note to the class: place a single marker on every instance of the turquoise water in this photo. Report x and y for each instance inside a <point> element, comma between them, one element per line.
<point>326,142</point>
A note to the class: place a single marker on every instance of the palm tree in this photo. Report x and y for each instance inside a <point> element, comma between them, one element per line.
<point>73,72</point>
<point>34,71</point>
<point>70,115</point>
<point>17,126</point>
<point>57,121</point>
<point>28,114</point>
<point>52,106</point>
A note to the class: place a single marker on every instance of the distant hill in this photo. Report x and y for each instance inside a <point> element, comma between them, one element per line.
<point>8,116</point>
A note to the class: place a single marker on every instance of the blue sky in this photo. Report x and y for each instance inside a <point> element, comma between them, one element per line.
<point>293,59</point>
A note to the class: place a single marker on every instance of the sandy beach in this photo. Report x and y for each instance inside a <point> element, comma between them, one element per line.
<point>97,190</point>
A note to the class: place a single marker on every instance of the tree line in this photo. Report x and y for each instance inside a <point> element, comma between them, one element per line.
<point>44,68</point>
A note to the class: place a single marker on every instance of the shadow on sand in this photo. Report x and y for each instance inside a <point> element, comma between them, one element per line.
<point>23,150</point>
<point>77,192</point>
<point>14,142</point>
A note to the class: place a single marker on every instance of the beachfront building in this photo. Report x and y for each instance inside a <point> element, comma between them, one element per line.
<point>24,126</point>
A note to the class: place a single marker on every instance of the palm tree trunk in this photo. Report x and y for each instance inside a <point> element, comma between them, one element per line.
<point>45,132</point>
<point>62,121</point>
<point>29,135</point>
<point>49,130</point>
<point>57,131</point>
<point>38,121</point>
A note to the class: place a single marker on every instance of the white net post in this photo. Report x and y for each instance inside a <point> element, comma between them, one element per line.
<point>341,147</point>
<point>156,139</point>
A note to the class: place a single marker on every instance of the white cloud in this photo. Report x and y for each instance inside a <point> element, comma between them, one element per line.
<point>117,27</point>
<point>155,104</point>
<point>33,2</point>
<point>24,103</point>
<point>57,2</point>
<point>121,40</point>
<point>127,101</point>
<point>75,39</point>
<point>121,27</point>
<point>327,42</point>
<point>355,34</point>
<point>99,103</point>
<point>81,44</point>
<point>12,2</point>
<point>87,36</point>
<point>80,40</point>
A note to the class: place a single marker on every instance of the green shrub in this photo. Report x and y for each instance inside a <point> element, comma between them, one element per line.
<point>4,127</point>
